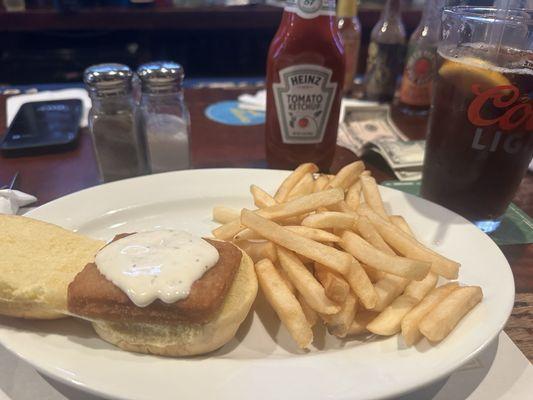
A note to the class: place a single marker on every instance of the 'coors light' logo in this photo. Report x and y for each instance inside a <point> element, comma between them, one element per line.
<point>501,97</point>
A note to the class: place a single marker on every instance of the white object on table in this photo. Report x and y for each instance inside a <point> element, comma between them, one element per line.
<point>253,102</point>
<point>12,200</point>
<point>13,103</point>
<point>501,372</point>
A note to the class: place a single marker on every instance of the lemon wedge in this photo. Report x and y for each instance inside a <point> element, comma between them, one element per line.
<point>471,71</point>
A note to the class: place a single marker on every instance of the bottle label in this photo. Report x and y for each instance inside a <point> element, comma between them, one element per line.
<point>310,9</point>
<point>418,76</point>
<point>384,65</point>
<point>303,102</point>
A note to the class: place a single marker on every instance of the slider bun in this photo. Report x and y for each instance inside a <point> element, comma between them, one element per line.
<point>184,339</point>
<point>38,260</point>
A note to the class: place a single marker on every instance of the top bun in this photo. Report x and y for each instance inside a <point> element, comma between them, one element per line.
<point>38,261</point>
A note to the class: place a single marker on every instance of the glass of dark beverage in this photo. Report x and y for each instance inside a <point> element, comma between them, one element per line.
<point>480,135</point>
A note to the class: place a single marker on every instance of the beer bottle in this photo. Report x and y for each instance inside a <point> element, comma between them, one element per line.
<point>386,54</point>
<point>415,90</point>
<point>350,29</point>
<point>305,74</point>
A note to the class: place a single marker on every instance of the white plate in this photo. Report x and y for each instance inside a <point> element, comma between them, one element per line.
<point>262,361</point>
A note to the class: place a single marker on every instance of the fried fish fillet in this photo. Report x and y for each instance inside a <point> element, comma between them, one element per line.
<point>91,295</point>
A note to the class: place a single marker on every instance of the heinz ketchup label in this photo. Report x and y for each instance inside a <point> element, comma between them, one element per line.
<point>309,9</point>
<point>303,102</point>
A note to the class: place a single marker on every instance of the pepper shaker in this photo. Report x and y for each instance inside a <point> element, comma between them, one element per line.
<point>118,143</point>
<point>164,116</point>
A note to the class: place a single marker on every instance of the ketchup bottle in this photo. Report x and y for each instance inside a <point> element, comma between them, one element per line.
<point>305,72</point>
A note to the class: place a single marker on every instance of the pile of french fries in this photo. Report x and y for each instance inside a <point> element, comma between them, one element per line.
<point>325,249</point>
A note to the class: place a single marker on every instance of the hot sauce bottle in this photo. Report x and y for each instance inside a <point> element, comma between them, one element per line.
<point>305,73</point>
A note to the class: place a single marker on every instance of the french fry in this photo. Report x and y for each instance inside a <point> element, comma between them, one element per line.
<point>313,233</point>
<point>287,281</point>
<point>306,261</point>
<point>286,186</point>
<point>261,198</point>
<point>387,289</point>
<point>335,287</point>
<point>361,320</point>
<point>320,183</point>
<point>224,215</point>
<point>372,195</point>
<point>347,175</point>
<point>373,274</point>
<point>388,286</point>
<point>440,321</point>
<point>372,236</point>
<point>330,219</point>
<point>409,246</point>
<point>366,253</point>
<point>259,250</point>
<point>247,234</point>
<point>339,324</point>
<point>228,230</point>
<point>410,322</point>
<point>353,195</point>
<point>305,283</point>
<point>361,285</point>
<point>366,173</point>
<point>389,321</point>
<point>301,205</point>
<point>336,260</point>
<point>310,314</point>
<point>342,207</point>
<point>402,224</point>
<point>284,303</point>
<point>303,187</point>
<point>419,289</point>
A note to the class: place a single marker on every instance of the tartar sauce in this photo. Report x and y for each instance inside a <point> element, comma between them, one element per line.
<point>159,264</point>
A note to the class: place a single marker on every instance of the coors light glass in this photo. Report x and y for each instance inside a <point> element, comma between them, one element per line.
<point>480,139</point>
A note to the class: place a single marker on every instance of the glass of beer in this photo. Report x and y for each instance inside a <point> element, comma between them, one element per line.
<point>480,134</point>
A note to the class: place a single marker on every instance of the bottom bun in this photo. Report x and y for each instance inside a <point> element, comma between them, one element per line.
<point>188,339</point>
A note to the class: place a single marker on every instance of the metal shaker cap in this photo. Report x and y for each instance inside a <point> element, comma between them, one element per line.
<point>108,79</point>
<point>160,75</point>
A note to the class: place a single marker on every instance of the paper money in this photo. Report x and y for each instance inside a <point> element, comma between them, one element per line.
<point>371,128</point>
<point>362,125</point>
<point>401,154</point>
<point>405,175</point>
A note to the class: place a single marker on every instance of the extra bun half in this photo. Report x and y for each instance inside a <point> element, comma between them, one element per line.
<point>38,260</point>
<point>186,339</point>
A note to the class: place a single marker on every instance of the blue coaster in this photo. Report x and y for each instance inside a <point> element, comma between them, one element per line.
<point>228,113</point>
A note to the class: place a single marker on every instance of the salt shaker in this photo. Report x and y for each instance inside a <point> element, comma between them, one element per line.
<point>118,143</point>
<point>164,116</point>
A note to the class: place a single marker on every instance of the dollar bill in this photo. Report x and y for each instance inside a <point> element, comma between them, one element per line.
<point>405,175</point>
<point>371,128</point>
<point>362,125</point>
<point>400,154</point>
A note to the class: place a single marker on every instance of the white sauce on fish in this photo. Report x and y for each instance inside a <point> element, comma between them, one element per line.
<point>156,265</point>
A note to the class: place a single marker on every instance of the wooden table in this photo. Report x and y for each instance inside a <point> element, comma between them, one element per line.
<point>214,145</point>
